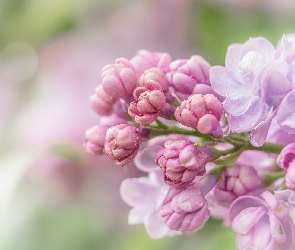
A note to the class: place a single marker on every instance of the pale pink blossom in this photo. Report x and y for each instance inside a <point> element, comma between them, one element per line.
<point>145,59</point>
<point>122,143</point>
<point>149,101</point>
<point>202,112</point>
<point>119,79</point>
<point>190,76</point>
<point>154,74</point>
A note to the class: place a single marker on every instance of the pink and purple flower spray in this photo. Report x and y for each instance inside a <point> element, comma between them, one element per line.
<point>213,140</point>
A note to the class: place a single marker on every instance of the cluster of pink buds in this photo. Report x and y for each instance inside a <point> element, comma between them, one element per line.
<point>214,141</point>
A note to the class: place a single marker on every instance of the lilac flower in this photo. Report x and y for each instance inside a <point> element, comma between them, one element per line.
<point>231,186</point>
<point>144,194</point>
<point>185,209</point>
<point>181,161</point>
<point>119,79</point>
<point>122,143</point>
<point>201,112</point>
<point>285,51</point>
<point>145,59</point>
<point>289,197</point>
<point>286,156</point>
<point>277,135</point>
<point>262,223</point>
<point>249,83</point>
<point>236,180</point>
<point>286,113</point>
<point>149,101</point>
<point>190,76</point>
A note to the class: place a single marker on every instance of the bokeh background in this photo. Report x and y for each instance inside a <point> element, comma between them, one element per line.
<point>53,196</point>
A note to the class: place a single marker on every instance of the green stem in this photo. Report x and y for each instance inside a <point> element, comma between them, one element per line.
<point>217,171</point>
<point>237,140</point>
<point>157,130</point>
<point>270,177</point>
<point>267,147</point>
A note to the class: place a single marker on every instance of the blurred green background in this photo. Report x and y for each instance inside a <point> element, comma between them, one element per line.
<point>96,218</point>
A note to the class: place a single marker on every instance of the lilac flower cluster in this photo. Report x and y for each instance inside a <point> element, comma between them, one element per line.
<point>213,140</point>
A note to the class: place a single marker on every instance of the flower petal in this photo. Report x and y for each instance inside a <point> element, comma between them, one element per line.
<point>276,228</point>
<point>155,225</point>
<point>232,60</point>
<point>286,114</point>
<point>137,214</point>
<point>238,101</point>
<point>145,159</point>
<point>247,218</point>
<point>242,203</point>
<point>259,134</point>
<point>221,81</point>
<point>259,45</point>
<point>139,191</point>
<point>250,119</point>
<point>274,87</point>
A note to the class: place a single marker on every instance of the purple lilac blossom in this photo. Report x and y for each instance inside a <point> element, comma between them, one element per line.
<point>285,52</point>
<point>262,223</point>
<point>249,83</point>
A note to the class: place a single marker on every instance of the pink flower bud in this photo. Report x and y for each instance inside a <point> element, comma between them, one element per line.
<point>154,74</point>
<point>290,176</point>
<point>201,112</point>
<point>122,143</point>
<point>149,101</point>
<point>184,75</point>
<point>95,138</point>
<point>145,59</point>
<point>181,161</point>
<point>185,209</point>
<point>286,156</point>
<point>119,79</point>
<point>101,102</point>
<point>236,180</point>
